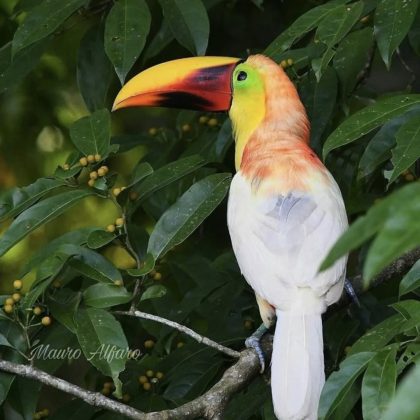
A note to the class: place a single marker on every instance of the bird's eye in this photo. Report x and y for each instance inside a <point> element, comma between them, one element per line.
<point>241,76</point>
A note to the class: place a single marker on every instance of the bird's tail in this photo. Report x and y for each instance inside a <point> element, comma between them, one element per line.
<point>297,370</point>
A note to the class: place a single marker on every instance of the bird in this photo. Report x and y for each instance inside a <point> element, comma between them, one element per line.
<point>285,210</point>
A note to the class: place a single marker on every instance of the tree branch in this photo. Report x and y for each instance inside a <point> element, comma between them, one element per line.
<point>398,267</point>
<point>184,329</point>
<point>211,404</point>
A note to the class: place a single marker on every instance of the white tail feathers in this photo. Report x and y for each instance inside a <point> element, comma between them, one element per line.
<point>297,367</point>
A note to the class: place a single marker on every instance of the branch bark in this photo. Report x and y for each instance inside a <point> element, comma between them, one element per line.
<point>184,329</point>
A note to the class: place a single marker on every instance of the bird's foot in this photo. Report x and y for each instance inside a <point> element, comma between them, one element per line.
<point>253,342</point>
<point>348,287</point>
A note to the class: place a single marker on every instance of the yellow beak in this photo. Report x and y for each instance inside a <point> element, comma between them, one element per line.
<point>201,83</point>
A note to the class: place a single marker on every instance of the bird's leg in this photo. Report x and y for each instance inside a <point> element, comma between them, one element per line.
<point>350,291</point>
<point>268,314</point>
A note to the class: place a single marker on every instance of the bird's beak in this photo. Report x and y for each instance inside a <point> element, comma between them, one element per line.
<point>201,83</point>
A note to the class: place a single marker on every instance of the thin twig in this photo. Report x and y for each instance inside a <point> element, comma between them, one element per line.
<point>93,398</point>
<point>184,329</point>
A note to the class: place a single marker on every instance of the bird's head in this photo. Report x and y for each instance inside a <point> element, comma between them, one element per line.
<point>252,91</point>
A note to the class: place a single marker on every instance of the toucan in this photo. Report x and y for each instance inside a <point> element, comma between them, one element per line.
<point>285,210</point>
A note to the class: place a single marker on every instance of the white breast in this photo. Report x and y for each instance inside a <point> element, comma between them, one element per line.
<point>281,240</point>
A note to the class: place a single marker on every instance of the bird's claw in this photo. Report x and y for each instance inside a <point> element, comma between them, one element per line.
<point>253,342</point>
<point>348,287</point>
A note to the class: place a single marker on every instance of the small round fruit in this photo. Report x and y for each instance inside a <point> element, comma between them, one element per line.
<point>118,283</point>
<point>98,158</point>
<point>153,131</point>
<point>283,63</point>
<point>116,192</point>
<point>110,228</point>
<point>91,182</point>
<point>90,158</point>
<point>102,171</point>
<point>38,416</point>
<point>159,375</point>
<point>147,386</point>
<point>212,122</point>
<point>66,166</point>
<point>154,380</point>
<point>150,373</point>
<point>149,344</point>
<point>93,175</point>
<point>248,324</point>
<point>45,412</point>
<point>83,161</point>
<point>179,344</point>
<point>409,177</point>
<point>37,310</point>
<point>203,119</point>
<point>109,385</point>
<point>9,301</point>
<point>290,62</point>
<point>106,391</point>
<point>119,222</point>
<point>16,297</point>
<point>8,309</point>
<point>143,379</point>
<point>186,128</point>
<point>126,398</point>
<point>46,321</point>
<point>157,276</point>
<point>17,284</point>
<point>57,284</point>
<point>134,195</point>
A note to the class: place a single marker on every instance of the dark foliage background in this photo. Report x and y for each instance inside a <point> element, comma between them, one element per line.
<point>61,64</point>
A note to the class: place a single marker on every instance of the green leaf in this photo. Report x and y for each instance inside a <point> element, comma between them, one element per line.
<point>5,342</point>
<point>160,41</point>
<point>91,134</point>
<point>76,237</point>
<point>13,71</point>
<point>410,310</point>
<point>99,238</point>
<point>19,199</point>
<point>407,150</point>
<point>126,29</point>
<point>94,70</point>
<point>168,174</point>
<point>339,383</point>
<point>406,404</point>
<point>43,20</point>
<point>385,216</point>
<point>147,266</point>
<point>350,58</point>
<point>99,335</point>
<point>399,234</point>
<point>153,292</point>
<point>140,171</point>
<point>105,295</point>
<point>334,27</point>
<point>320,64</point>
<point>189,23</point>
<point>319,99</point>
<point>369,118</point>
<point>63,306</point>
<point>301,26</point>
<point>37,215</point>
<point>378,336</point>
<point>189,211</point>
<point>411,281</point>
<point>393,19</point>
<point>91,264</point>
<point>378,386</point>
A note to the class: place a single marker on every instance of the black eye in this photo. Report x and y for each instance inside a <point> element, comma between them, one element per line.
<point>241,76</point>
